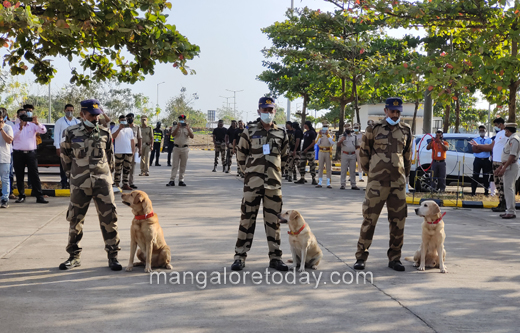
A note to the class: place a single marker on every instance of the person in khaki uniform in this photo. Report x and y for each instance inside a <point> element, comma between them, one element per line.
<point>261,154</point>
<point>146,146</point>
<point>349,145</point>
<point>509,169</point>
<point>181,133</point>
<point>386,157</point>
<point>325,143</point>
<point>138,144</point>
<point>87,156</point>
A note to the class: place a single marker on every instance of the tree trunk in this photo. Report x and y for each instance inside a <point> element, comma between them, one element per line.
<point>446,119</point>
<point>356,108</point>
<point>457,114</point>
<point>415,116</point>
<point>304,109</point>
<point>342,107</point>
<point>512,103</point>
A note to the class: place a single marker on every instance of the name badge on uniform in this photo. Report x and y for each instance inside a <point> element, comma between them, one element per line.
<point>267,150</point>
<point>438,154</point>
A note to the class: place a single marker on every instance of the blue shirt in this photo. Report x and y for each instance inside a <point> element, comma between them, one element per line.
<point>483,141</point>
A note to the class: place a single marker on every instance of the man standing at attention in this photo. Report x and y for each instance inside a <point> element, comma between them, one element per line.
<point>219,142</point>
<point>60,126</point>
<point>181,133</point>
<point>386,157</point>
<point>147,146</point>
<point>262,152</point>
<point>87,155</point>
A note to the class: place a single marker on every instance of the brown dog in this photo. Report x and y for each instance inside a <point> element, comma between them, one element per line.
<point>147,233</point>
<point>304,246</point>
<point>433,236</point>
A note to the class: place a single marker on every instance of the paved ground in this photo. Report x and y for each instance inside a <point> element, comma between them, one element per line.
<point>481,292</point>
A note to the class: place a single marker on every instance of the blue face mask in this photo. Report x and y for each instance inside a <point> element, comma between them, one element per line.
<point>267,118</point>
<point>29,114</point>
<point>391,122</point>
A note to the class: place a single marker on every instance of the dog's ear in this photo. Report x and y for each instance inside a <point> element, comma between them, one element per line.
<point>138,197</point>
<point>294,215</point>
<point>146,204</point>
<point>436,210</point>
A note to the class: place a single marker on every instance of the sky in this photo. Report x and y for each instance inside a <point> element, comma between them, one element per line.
<point>230,38</point>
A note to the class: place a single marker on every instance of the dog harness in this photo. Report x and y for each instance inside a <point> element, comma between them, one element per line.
<point>438,220</point>
<point>144,217</point>
<point>297,232</point>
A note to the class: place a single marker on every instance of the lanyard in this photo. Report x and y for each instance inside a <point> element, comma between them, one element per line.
<point>70,124</point>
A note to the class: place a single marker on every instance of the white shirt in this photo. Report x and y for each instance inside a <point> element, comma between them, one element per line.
<point>500,143</point>
<point>6,148</point>
<point>123,141</point>
<point>60,126</point>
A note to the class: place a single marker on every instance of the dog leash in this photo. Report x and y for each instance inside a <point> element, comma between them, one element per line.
<point>438,220</point>
<point>143,217</point>
<point>297,232</point>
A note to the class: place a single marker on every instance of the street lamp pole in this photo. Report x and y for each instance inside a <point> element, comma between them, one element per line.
<point>227,100</point>
<point>288,99</point>
<point>157,105</point>
<point>234,99</point>
<point>49,120</point>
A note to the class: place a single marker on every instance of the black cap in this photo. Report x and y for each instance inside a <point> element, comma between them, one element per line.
<point>130,115</point>
<point>182,116</point>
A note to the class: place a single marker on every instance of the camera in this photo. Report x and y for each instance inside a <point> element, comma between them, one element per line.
<point>183,124</point>
<point>26,118</point>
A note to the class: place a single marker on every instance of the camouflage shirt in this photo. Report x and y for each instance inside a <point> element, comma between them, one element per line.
<point>87,157</point>
<point>262,170</point>
<point>385,153</point>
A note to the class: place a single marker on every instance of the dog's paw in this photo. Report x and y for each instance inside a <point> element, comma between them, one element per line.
<point>301,269</point>
<point>415,264</point>
<point>444,270</point>
<point>314,267</point>
<point>168,266</point>
<point>421,268</point>
<point>147,270</point>
<point>129,268</point>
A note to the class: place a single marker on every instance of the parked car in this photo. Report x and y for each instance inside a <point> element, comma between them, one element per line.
<point>46,152</point>
<point>459,161</point>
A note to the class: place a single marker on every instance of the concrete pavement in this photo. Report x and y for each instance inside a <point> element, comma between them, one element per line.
<point>479,294</point>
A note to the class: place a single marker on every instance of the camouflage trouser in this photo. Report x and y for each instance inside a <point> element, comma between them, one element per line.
<point>124,163</point>
<point>292,163</point>
<point>229,155</point>
<point>272,201</point>
<point>220,148</point>
<point>375,197</point>
<point>239,171</point>
<point>499,184</point>
<point>104,200</point>
<point>308,157</point>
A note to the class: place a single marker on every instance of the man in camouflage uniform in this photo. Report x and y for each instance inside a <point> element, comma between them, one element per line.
<point>261,154</point>
<point>385,155</point>
<point>88,160</point>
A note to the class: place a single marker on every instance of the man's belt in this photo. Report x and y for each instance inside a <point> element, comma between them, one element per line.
<point>326,149</point>
<point>346,152</point>
<point>25,151</point>
<point>439,161</point>
<point>483,158</point>
<point>180,146</point>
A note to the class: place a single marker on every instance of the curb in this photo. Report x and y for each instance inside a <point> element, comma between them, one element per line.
<point>460,203</point>
<point>50,193</point>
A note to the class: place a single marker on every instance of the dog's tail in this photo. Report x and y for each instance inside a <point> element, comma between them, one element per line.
<point>409,259</point>
<point>290,261</point>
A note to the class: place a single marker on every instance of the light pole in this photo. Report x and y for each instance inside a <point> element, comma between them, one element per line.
<point>288,99</point>
<point>227,100</point>
<point>234,99</point>
<point>157,105</point>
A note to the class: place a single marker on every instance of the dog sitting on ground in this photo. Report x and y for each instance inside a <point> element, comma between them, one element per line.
<point>147,233</point>
<point>304,246</point>
<point>432,238</point>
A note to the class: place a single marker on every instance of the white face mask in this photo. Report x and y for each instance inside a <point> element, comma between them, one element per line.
<point>181,121</point>
<point>324,130</point>
<point>497,129</point>
<point>356,129</point>
<point>123,122</point>
<point>267,118</point>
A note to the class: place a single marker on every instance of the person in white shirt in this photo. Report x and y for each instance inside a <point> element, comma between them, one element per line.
<point>124,149</point>
<point>60,126</point>
<point>325,143</point>
<point>497,146</point>
<point>6,139</point>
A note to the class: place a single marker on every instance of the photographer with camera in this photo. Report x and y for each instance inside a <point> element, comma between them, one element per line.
<point>439,148</point>
<point>181,134</point>
<point>24,154</point>
<point>124,150</point>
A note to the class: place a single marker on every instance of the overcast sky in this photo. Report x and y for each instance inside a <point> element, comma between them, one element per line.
<point>228,33</point>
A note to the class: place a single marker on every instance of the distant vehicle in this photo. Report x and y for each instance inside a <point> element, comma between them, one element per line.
<point>46,152</point>
<point>459,161</point>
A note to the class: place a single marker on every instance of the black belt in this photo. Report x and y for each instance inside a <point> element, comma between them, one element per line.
<point>179,146</point>
<point>483,158</point>
<point>439,161</point>
<point>25,151</point>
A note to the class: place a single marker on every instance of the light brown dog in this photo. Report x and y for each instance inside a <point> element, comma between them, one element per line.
<point>147,233</point>
<point>432,238</point>
<point>304,246</point>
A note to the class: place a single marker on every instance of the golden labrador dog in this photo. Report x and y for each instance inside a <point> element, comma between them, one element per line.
<point>432,238</point>
<point>304,246</point>
<point>147,233</point>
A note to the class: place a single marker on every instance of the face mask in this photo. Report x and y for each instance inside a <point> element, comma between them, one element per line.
<point>324,130</point>
<point>267,118</point>
<point>182,121</point>
<point>348,132</point>
<point>123,122</point>
<point>497,129</point>
<point>68,114</point>
<point>29,114</point>
<point>90,124</point>
<point>391,122</point>
<point>356,129</point>
<point>130,121</point>
<point>482,134</point>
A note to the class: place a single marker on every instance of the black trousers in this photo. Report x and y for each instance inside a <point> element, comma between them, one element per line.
<point>156,152</point>
<point>170,149</point>
<point>484,165</point>
<point>20,160</point>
